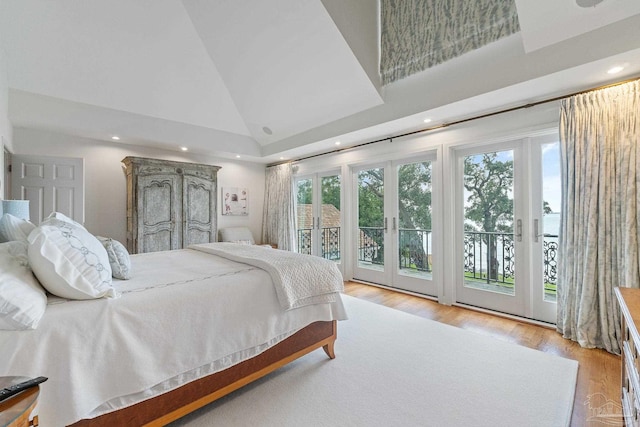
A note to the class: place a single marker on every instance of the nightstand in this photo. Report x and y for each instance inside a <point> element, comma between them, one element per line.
<point>15,411</point>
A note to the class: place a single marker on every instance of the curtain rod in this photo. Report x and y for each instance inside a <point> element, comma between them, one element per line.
<point>457,122</point>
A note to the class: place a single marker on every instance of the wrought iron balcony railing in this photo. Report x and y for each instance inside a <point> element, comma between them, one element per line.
<point>330,242</point>
<point>415,251</point>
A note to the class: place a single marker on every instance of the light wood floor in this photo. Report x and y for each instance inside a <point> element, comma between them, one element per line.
<point>598,372</point>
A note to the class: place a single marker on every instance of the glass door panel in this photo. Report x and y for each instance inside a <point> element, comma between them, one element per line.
<point>318,215</point>
<point>546,203</point>
<point>330,218</point>
<point>551,199</point>
<point>372,223</point>
<point>304,215</point>
<point>413,223</point>
<point>491,221</point>
<point>489,253</point>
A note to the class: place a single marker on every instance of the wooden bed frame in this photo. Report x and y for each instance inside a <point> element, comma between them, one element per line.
<point>174,404</point>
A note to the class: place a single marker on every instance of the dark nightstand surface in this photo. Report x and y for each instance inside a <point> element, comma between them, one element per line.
<point>15,411</point>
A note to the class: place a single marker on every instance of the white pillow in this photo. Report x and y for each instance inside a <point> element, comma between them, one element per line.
<point>243,242</point>
<point>22,299</point>
<point>235,234</point>
<point>14,228</point>
<point>63,217</point>
<point>119,258</point>
<point>69,261</point>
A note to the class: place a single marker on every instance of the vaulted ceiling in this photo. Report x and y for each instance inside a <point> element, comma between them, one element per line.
<point>280,78</point>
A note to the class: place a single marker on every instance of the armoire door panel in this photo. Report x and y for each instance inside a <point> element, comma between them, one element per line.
<point>157,226</point>
<point>199,209</point>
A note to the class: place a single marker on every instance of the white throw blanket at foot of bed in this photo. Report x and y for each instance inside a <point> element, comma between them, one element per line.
<point>299,279</point>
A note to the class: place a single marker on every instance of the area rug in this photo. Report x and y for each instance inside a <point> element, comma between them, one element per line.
<point>397,369</point>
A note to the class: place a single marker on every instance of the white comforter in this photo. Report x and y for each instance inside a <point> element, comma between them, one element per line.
<point>299,280</point>
<point>185,314</point>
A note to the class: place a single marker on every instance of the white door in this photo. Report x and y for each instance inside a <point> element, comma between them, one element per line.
<point>505,261</point>
<point>395,226</point>
<point>51,184</point>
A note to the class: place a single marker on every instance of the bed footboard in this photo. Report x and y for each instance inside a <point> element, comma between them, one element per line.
<point>174,404</point>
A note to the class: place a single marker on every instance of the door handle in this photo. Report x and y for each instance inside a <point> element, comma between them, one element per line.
<point>393,224</point>
<point>536,232</point>
<point>385,224</point>
<point>519,230</point>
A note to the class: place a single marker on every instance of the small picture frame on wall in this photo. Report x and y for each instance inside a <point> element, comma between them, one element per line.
<point>235,201</point>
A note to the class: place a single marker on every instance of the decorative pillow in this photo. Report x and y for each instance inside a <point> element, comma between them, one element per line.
<point>243,242</point>
<point>69,261</point>
<point>118,258</point>
<point>14,228</point>
<point>63,217</point>
<point>22,299</point>
<point>235,234</point>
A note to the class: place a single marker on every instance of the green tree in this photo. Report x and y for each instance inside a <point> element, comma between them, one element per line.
<point>371,198</point>
<point>304,195</point>
<point>414,207</point>
<point>489,207</point>
<point>331,190</point>
<point>414,196</point>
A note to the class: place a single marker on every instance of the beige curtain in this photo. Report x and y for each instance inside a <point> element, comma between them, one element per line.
<point>600,145</point>
<point>278,219</point>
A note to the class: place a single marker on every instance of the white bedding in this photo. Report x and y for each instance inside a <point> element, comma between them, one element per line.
<point>183,315</point>
<point>299,281</point>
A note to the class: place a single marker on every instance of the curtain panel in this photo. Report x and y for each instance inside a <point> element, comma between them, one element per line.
<point>600,145</point>
<point>278,219</point>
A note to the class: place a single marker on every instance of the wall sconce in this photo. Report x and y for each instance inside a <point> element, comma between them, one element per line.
<point>17,208</point>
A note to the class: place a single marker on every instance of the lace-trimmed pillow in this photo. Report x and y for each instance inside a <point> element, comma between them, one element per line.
<point>119,258</point>
<point>69,261</point>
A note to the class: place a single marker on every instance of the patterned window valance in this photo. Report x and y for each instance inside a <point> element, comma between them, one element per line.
<point>418,34</point>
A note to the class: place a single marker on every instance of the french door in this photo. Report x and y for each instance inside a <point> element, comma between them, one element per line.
<point>318,215</point>
<point>394,224</point>
<point>507,216</point>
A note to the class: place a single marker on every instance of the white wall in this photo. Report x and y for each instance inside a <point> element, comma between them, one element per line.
<point>105,180</point>
<point>5,126</point>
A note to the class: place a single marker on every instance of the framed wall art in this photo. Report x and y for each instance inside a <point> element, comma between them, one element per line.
<point>235,201</point>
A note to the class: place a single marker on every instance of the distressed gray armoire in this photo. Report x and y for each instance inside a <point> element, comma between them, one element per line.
<point>170,205</point>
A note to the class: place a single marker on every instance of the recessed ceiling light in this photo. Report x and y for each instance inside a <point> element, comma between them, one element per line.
<point>427,120</point>
<point>115,138</point>
<point>267,130</point>
<point>237,156</point>
<point>337,142</point>
<point>281,158</point>
<point>184,148</point>
<point>615,70</point>
<point>588,3</point>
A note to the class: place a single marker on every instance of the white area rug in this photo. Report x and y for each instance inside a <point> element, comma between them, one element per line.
<point>396,369</point>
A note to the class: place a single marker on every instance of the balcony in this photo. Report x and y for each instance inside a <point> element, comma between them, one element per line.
<point>415,255</point>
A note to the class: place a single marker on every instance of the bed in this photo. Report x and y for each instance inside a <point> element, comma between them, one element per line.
<point>189,327</point>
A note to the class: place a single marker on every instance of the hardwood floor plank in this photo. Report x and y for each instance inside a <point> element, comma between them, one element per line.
<point>598,373</point>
